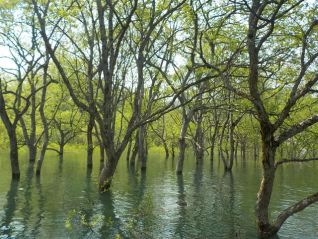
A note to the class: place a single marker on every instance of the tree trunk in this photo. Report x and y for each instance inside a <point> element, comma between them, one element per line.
<point>182,147</point>
<point>32,138</point>
<point>107,173</point>
<point>255,151</point>
<point>182,143</point>
<point>45,125</point>
<point>129,150</point>
<point>41,158</point>
<point>14,155</point>
<point>142,156</point>
<point>216,128</point>
<point>236,149</point>
<point>228,167</point>
<point>172,151</point>
<point>44,145</point>
<point>243,149</point>
<point>32,152</point>
<point>61,152</point>
<point>90,147</point>
<point>165,146</point>
<point>265,191</point>
<point>199,140</point>
<point>102,152</point>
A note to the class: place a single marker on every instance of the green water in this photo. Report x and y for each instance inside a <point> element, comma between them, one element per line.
<point>204,203</point>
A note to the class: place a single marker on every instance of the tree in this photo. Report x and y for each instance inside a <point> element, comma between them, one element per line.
<point>112,36</point>
<point>274,24</point>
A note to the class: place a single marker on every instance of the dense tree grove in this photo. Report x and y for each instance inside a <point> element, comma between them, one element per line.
<point>229,80</point>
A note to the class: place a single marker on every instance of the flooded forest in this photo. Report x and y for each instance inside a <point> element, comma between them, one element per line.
<point>158,119</point>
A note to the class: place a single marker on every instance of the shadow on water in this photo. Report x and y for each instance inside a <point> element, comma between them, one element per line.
<point>110,223</point>
<point>60,168</point>
<point>40,207</point>
<point>87,207</point>
<point>27,204</point>
<point>10,207</point>
<point>182,204</point>
<point>229,204</point>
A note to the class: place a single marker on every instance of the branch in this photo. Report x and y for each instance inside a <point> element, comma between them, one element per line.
<point>297,207</point>
<point>297,128</point>
<point>294,161</point>
<point>55,150</point>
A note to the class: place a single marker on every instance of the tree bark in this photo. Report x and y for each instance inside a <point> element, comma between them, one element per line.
<point>11,131</point>
<point>182,148</point>
<point>107,173</point>
<point>61,151</point>
<point>269,147</point>
<point>90,147</point>
<point>102,152</point>
<point>199,140</point>
<point>172,150</point>
<point>45,126</point>
<point>14,155</point>
<point>129,150</point>
<point>142,155</point>
<point>182,141</point>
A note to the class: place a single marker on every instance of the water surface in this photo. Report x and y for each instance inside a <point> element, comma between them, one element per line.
<point>203,203</point>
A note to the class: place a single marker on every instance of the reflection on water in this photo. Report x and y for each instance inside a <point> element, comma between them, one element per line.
<point>204,202</point>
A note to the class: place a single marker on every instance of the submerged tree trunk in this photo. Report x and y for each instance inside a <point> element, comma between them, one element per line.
<point>182,148</point>
<point>142,154</point>
<point>243,148</point>
<point>129,150</point>
<point>32,138</point>
<point>61,151</point>
<point>45,126</point>
<point>228,167</point>
<point>135,150</point>
<point>107,173</point>
<point>102,152</point>
<point>182,141</point>
<point>265,191</point>
<point>14,155</point>
<point>213,139</point>
<point>172,151</point>
<point>199,140</point>
<point>255,151</point>
<point>11,131</point>
<point>90,147</point>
